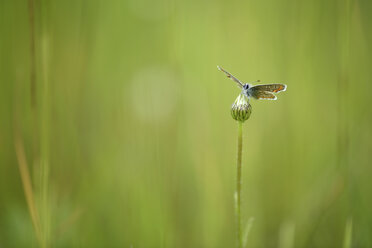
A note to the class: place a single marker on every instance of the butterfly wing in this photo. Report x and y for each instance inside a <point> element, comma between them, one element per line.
<point>274,88</point>
<point>260,94</point>
<point>240,84</point>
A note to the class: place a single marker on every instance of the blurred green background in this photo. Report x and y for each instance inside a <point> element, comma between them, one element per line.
<point>125,123</point>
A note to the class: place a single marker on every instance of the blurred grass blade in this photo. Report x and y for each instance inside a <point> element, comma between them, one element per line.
<point>287,235</point>
<point>26,182</point>
<point>247,229</point>
<point>348,233</point>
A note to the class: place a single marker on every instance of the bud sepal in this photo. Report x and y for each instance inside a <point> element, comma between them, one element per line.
<point>241,109</point>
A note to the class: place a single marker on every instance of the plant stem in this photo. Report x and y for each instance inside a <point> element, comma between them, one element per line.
<point>239,185</point>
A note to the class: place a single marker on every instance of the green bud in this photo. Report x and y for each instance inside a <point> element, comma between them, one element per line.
<point>241,109</point>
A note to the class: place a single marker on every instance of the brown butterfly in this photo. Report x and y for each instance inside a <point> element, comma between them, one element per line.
<point>264,91</point>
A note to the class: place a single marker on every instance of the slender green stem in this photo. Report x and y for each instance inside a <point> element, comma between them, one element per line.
<point>239,185</point>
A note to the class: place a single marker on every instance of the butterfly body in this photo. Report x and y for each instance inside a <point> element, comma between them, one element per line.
<point>263,91</point>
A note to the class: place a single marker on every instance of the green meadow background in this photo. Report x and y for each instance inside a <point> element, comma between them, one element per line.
<point>115,125</point>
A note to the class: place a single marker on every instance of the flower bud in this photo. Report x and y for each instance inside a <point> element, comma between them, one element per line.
<point>241,109</point>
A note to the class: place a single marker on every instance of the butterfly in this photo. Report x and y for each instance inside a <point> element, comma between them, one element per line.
<point>263,91</point>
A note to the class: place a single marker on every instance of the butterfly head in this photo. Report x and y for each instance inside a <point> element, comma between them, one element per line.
<point>246,86</point>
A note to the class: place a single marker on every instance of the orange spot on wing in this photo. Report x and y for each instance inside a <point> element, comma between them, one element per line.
<point>281,87</point>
